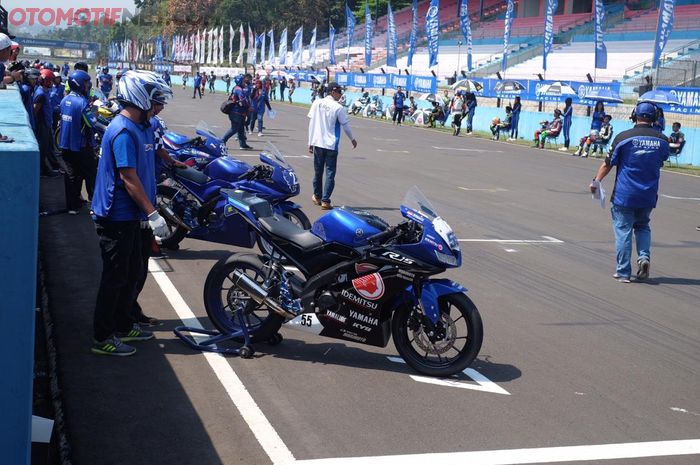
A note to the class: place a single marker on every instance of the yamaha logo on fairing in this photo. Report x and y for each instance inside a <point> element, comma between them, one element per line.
<point>336,317</point>
<point>364,318</point>
<point>370,287</point>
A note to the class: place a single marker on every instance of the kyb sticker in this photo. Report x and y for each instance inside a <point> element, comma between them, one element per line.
<point>371,287</point>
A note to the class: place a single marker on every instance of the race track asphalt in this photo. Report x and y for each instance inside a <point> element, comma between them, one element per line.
<point>579,358</point>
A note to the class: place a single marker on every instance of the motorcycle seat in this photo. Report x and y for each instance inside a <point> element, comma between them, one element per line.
<point>281,227</point>
<point>192,174</point>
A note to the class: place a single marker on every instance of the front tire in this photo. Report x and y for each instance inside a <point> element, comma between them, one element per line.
<point>459,336</point>
<point>294,215</point>
<point>222,299</point>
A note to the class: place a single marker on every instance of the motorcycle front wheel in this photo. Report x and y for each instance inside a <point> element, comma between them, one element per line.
<point>455,340</point>
<point>164,198</point>
<point>223,299</point>
<point>294,215</point>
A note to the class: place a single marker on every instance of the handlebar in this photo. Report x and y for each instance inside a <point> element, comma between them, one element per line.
<point>386,234</point>
<point>258,172</point>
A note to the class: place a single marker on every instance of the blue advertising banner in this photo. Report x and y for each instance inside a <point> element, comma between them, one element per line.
<point>381,81</point>
<point>466,25</point>
<point>423,84</point>
<point>546,91</point>
<point>306,76</point>
<point>506,33</point>
<point>548,30</point>
<point>432,30</point>
<point>663,29</point>
<point>399,80</point>
<point>426,84</point>
<point>391,38</point>
<point>362,80</point>
<point>331,40</point>
<point>30,42</point>
<point>368,36</point>
<point>601,53</point>
<point>297,51</point>
<point>414,33</point>
<point>350,24</point>
<point>689,98</point>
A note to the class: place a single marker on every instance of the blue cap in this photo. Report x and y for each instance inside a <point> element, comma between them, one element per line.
<point>645,110</point>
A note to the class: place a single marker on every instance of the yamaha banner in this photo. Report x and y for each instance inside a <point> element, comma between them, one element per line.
<point>689,97</point>
<point>297,47</point>
<point>283,47</point>
<point>307,76</point>
<point>663,29</point>
<point>432,30</point>
<point>601,53</point>
<point>508,25</point>
<point>350,24</point>
<point>466,25</point>
<point>424,84</point>
<point>312,47</point>
<point>331,41</point>
<point>414,33</point>
<point>548,30</point>
<point>391,38</point>
<point>368,36</point>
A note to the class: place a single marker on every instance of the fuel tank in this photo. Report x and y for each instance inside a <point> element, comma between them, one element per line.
<point>348,226</point>
<point>226,169</point>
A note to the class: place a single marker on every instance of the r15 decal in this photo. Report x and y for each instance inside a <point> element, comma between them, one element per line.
<point>398,258</point>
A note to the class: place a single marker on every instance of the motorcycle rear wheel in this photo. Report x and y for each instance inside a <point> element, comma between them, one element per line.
<point>165,196</point>
<point>294,215</point>
<point>222,298</point>
<point>449,354</point>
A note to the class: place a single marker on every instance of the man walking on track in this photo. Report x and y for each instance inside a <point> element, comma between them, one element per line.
<point>327,116</point>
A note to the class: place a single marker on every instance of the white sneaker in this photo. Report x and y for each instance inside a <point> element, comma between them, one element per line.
<point>563,149</point>
<point>260,134</point>
<point>72,212</point>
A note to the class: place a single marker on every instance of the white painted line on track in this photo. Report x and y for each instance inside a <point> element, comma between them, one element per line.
<point>190,125</point>
<point>266,435</point>
<point>254,155</point>
<point>546,240</point>
<point>482,382</point>
<point>393,151</point>
<point>495,189</point>
<point>679,198</point>
<point>536,455</point>
<point>461,149</point>
<point>385,140</point>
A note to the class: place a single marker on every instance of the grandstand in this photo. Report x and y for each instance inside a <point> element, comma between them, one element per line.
<point>687,18</point>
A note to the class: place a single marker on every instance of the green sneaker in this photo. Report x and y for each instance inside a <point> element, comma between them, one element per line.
<point>112,346</point>
<point>135,334</point>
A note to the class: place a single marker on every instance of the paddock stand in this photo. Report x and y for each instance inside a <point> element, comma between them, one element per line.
<point>209,344</point>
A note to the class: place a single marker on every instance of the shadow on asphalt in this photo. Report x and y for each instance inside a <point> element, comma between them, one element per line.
<point>669,280</point>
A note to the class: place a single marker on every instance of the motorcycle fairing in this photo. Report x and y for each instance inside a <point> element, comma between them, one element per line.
<point>431,291</point>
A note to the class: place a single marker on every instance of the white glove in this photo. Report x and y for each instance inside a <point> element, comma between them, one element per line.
<point>158,224</point>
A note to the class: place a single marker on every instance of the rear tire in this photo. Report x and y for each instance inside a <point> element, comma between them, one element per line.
<point>451,353</point>
<point>222,298</point>
<point>165,196</point>
<point>294,215</point>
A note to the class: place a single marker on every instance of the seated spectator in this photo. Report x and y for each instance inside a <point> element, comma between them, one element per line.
<point>596,139</point>
<point>412,105</point>
<point>660,123</point>
<point>548,129</point>
<point>676,140</point>
<point>436,114</point>
<point>497,125</point>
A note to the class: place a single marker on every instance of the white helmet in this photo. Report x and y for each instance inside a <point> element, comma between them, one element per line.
<point>140,88</point>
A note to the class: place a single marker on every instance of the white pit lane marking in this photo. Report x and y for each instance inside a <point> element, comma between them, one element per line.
<point>546,240</point>
<point>482,382</point>
<point>535,455</point>
<point>495,189</point>
<point>393,151</point>
<point>266,435</point>
<point>255,155</point>
<point>461,149</point>
<point>679,198</point>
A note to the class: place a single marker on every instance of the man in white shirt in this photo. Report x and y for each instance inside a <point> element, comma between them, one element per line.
<point>327,116</point>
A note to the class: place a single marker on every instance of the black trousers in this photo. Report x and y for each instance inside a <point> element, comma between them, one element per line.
<point>122,263</point>
<point>197,89</point>
<point>79,166</point>
<point>146,244</point>
<point>48,160</point>
<point>398,115</point>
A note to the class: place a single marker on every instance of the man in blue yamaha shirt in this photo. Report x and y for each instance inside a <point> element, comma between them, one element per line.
<point>106,81</point>
<point>125,195</point>
<point>239,111</point>
<point>638,153</point>
<point>77,125</point>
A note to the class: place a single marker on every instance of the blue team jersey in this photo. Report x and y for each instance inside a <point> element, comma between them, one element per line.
<point>27,93</point>
<point>105,81</point>
<point>638,153</point>
<point>57,93</point>
<point>77,122</point>
<point>125,145</point>
<point>41,95</point>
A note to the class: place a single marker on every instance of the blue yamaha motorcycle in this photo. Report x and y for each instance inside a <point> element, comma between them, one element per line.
<point>358,280</point>
<point>197,151</point>
<point>190,202</point>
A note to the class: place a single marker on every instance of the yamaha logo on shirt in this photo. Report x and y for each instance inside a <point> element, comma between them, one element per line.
<point>148,147</point>
<point>647,143</point>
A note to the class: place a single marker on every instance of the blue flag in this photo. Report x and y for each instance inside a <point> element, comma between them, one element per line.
<point>432,30</point>
<point>506,33</point>
<point>601,53</point>
<point>258,44</point>
<point>283,47</point>
<point>663,29</point>
<point>350,23</point>
<point>331,41</point>
<point>312,47</point>
<point>414,33</point>
<point>369,33</point>
<point>466,25</point>
<point>391,38</point>
<point>548,30</point>
<point>271,54</point>
<point>297,49</point>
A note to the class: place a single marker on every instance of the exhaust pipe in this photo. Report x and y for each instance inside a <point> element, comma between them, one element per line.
<point>170,216</point>
<point>258,294</point>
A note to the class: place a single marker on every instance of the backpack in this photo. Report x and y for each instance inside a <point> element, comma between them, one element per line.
<point>227,106</point>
